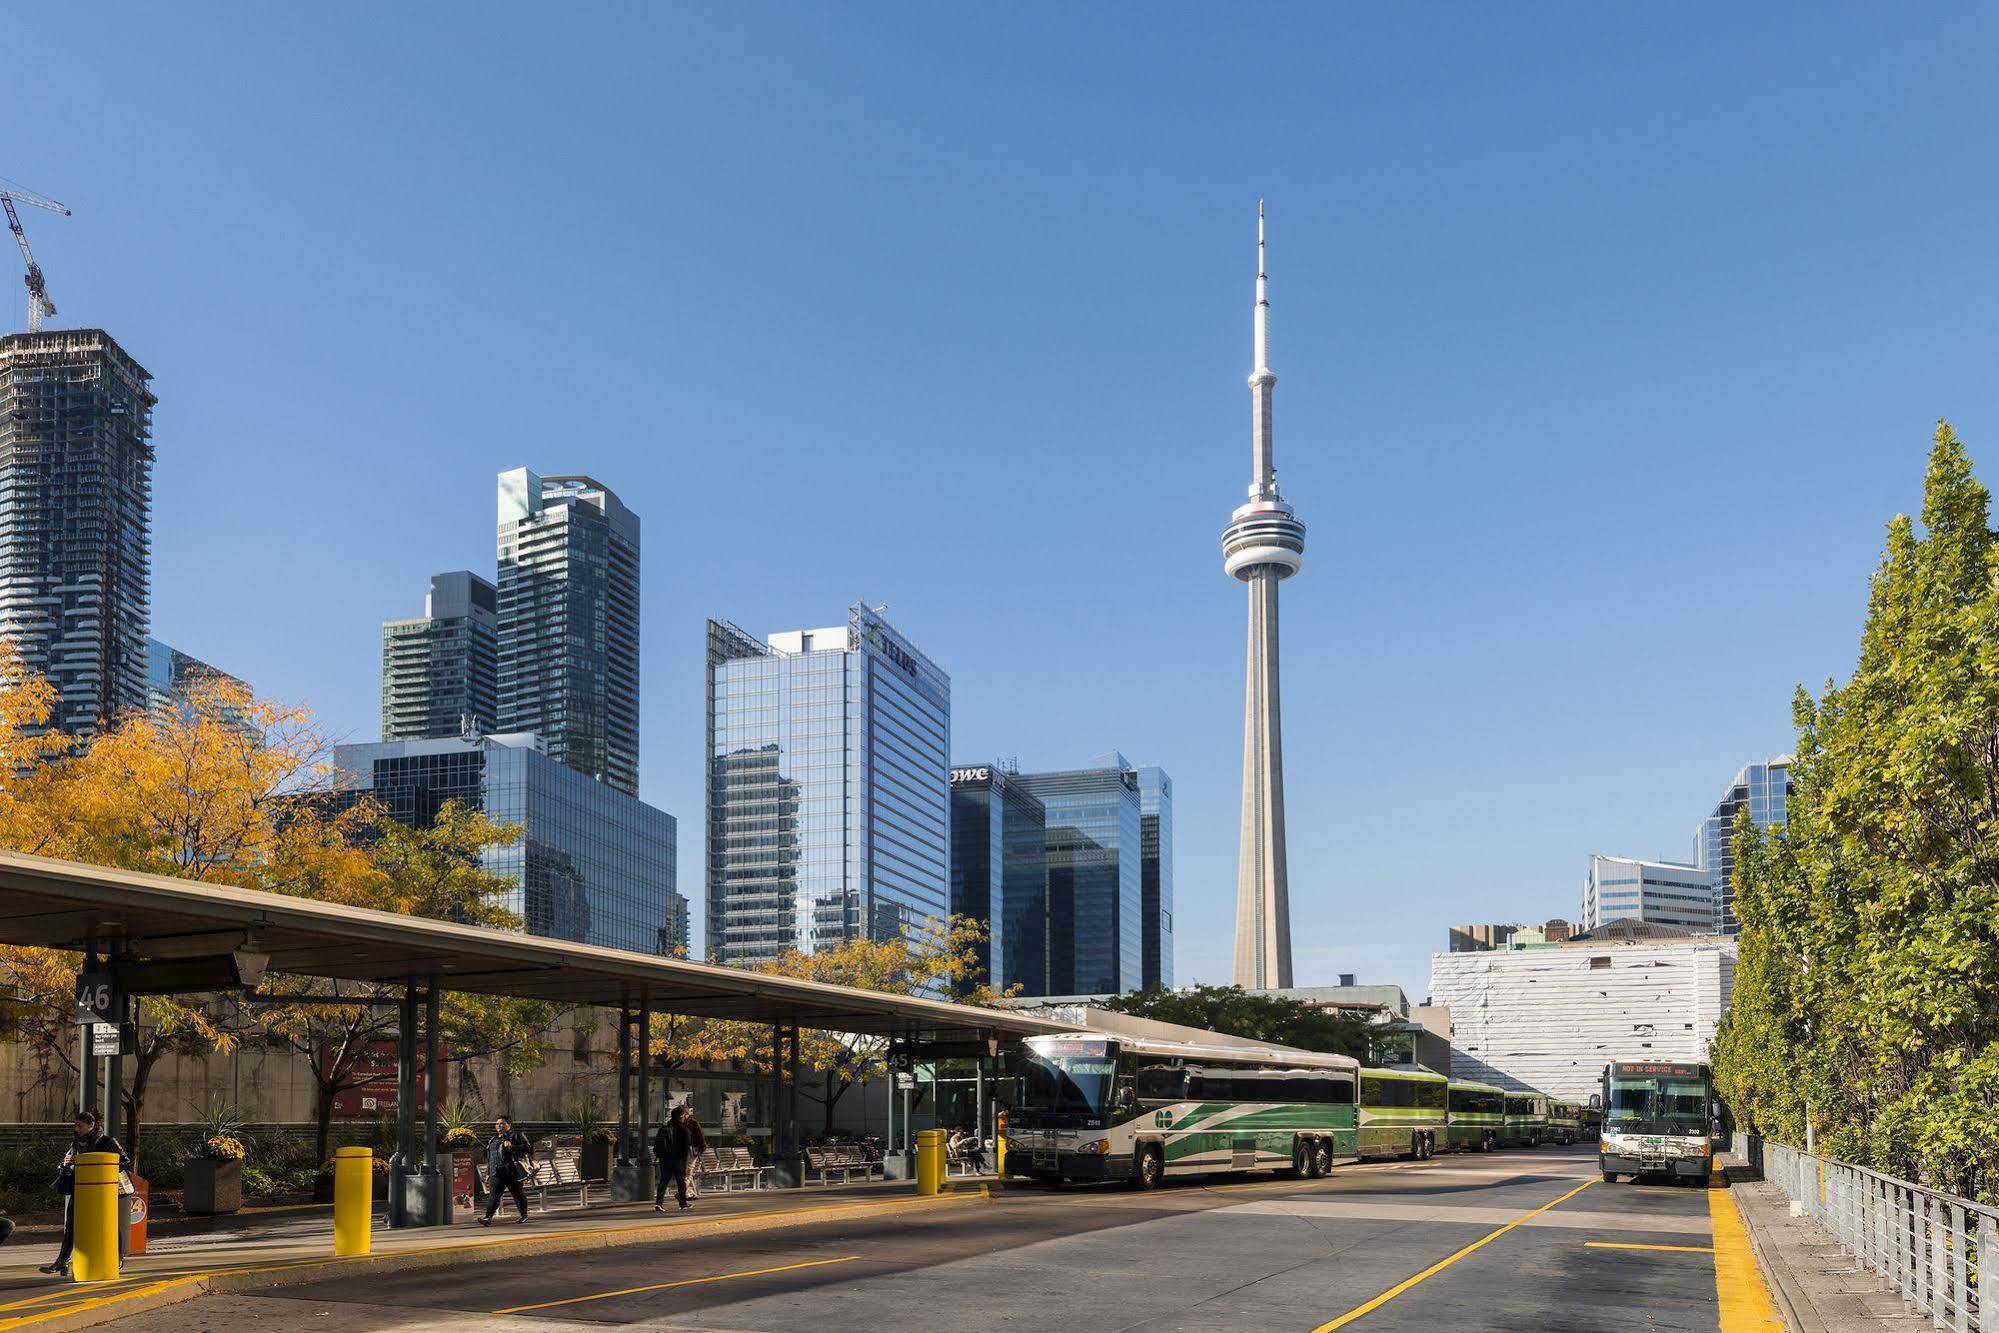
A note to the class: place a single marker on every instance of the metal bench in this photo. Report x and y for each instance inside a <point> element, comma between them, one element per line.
<point>960,1160</point>
<point>559,1166</point>
<point>839,1162</point>
<point>729,1169</point>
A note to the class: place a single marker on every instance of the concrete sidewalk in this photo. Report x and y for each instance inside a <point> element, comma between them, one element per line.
<point>176,1269</point>
<point>1818,1286</point>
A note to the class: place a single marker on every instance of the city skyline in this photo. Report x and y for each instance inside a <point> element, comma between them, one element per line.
<point>1508,419</point>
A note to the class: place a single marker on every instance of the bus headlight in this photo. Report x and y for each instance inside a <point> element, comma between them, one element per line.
<point>1697,1150</point>
<point>1101,1147</point>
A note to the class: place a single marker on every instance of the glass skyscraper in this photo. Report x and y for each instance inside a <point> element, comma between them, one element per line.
<point>1155,815</point>
<point>1095,880</point>
<point>999,874</point>
<point>76,503</point>
<point>828,788</point>
<point>1765,791</point>
<point>440,671</point>
<point>569,622</point>
<point>592,864</point>
<point>170,673</point>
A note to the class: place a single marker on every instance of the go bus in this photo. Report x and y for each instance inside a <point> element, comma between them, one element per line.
<point>1094,1107</point>
<point>1659,1119</point>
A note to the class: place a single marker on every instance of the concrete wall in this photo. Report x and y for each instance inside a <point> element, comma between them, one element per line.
<point>1550,1019</point>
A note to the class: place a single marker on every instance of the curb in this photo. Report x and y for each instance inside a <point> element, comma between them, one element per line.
<point>91,1313</point>
<point>1777,1278</point>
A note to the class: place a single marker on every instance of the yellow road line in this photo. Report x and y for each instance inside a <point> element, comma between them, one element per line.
<point>1744,1300</point>
<point>684,1282</point>
<point>91,1303</point>
<point>1626,1245</point>
<point>1385,1297</point>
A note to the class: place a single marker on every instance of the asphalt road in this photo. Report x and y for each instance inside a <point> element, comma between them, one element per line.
<point>1375,1248</point>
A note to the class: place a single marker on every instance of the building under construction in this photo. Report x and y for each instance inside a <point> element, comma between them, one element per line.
<point>76,461</point>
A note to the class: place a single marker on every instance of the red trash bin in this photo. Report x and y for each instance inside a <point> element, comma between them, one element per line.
<point>137,1206</point>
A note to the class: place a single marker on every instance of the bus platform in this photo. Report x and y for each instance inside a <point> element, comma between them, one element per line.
<point>278,1252</point>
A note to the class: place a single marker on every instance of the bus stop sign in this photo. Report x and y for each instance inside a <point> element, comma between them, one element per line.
<point>96,998</point>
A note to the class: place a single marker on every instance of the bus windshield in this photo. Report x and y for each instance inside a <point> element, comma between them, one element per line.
<point>1064,1083</point>
<point>1656,1104</point>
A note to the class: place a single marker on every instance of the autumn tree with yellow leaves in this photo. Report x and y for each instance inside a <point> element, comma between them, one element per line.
<point>938,958</point>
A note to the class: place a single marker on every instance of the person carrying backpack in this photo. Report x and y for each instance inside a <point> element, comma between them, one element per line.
<point>90,1137</point>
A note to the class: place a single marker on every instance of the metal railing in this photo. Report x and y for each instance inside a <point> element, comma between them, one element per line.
<point>1940,1252</point>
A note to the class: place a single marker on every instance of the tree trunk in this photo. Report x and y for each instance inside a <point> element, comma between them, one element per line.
<point>836,1088</point>
<point>323,1125</point>
<point>143,1060</point>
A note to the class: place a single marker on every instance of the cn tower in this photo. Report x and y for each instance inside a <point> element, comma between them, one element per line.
<point>1263,545</point>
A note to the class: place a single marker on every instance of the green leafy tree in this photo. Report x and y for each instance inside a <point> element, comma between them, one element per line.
<point>1235,1011</point>
<point>1867,996</point>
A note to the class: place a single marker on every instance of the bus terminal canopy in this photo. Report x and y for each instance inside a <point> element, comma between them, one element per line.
<point>153,918</point>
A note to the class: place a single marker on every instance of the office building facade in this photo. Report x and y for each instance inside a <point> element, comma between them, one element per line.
<point>1095,880</point>
<point>1155,876</point>
<point>440,671</point>
<point>76,463</point>
<point>1764,790</point>
<point>999,874</point>
<point>171,674</point>
<point>569,622</point>
<point>829,806</point>
<point>1620,888</point>
<point>592,864</point>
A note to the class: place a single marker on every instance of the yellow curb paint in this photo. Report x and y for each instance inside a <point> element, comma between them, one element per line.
<point>1627,1245</point>
<point>684,1282</point>
<point>547,1240</point>
<point>1739,1291</point>
<point>1360,1311</point>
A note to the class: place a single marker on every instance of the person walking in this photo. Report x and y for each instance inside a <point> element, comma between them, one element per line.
<point>697,1145</point>
<point>670,1147</point>
<point>507,1154</point>
<point>90,1137</point>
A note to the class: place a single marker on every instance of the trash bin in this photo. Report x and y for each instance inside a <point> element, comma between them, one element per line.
<point>137,1206</point>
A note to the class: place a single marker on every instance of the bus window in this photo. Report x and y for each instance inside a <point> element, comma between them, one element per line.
<point>1161,1083</point>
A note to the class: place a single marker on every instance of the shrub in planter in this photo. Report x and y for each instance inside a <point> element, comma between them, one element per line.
<point>214,1180</point>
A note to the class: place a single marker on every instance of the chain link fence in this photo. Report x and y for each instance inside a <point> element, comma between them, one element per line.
<point>1939,1251</point>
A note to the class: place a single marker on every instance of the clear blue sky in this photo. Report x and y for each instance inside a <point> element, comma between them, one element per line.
<point>1607,342</point>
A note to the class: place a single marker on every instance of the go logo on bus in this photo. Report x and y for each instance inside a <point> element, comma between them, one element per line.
<point>1162,1119</point>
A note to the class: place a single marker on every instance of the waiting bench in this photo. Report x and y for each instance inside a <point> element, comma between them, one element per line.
<point>559,1166</point>
<point>839,1162</point>
<point>729,1169</point>
<point>962,1160</point>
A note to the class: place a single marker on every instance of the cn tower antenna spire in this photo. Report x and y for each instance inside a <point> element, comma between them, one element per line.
<point>1263,545</point>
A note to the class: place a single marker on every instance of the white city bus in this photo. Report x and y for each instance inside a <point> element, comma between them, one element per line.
<point>1088,1106</point>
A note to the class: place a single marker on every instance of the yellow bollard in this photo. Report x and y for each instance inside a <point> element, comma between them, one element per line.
<point>95,1258</point>
<point>999,1146</point>
<point>353,1199</point>
<point>930,1161</point>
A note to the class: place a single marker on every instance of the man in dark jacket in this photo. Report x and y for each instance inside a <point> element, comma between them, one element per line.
<point>507,1154</point>
<point>90,1137</point>
<point>671,1146</point>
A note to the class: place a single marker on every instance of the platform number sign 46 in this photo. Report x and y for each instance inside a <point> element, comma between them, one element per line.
<point>96,998</point>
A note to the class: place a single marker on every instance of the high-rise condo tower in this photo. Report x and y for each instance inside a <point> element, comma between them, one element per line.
<point>1263,545</point>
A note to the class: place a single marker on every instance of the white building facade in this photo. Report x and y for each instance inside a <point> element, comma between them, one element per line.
<point>1550,1019</point>
<point>1663,893</point>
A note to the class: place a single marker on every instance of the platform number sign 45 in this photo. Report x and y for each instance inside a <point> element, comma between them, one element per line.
<point>96,998</point>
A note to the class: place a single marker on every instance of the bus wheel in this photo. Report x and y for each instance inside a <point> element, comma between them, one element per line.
<point>1429,1147</point>
<point>1149,1169</point>
<point>1301,1159</point>
<point>1487,1141</point>
<point>1322,1157</point>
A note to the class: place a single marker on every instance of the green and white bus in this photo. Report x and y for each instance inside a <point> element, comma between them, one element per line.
<point>1565,1122</point>
<point>1526,1120</point>
<point>1402,1112</point>
<point>1089,1106</point>
<point>1478,1115</point>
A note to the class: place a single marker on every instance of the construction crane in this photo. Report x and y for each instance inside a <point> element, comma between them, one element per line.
<point>39,303</point>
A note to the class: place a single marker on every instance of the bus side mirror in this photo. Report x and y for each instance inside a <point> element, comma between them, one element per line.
<point>1125,1097</point>
<point>1596,1101</point>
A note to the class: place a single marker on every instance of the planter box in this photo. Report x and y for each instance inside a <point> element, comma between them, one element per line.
<point>212,1186</point>
<point>595,1161</point>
